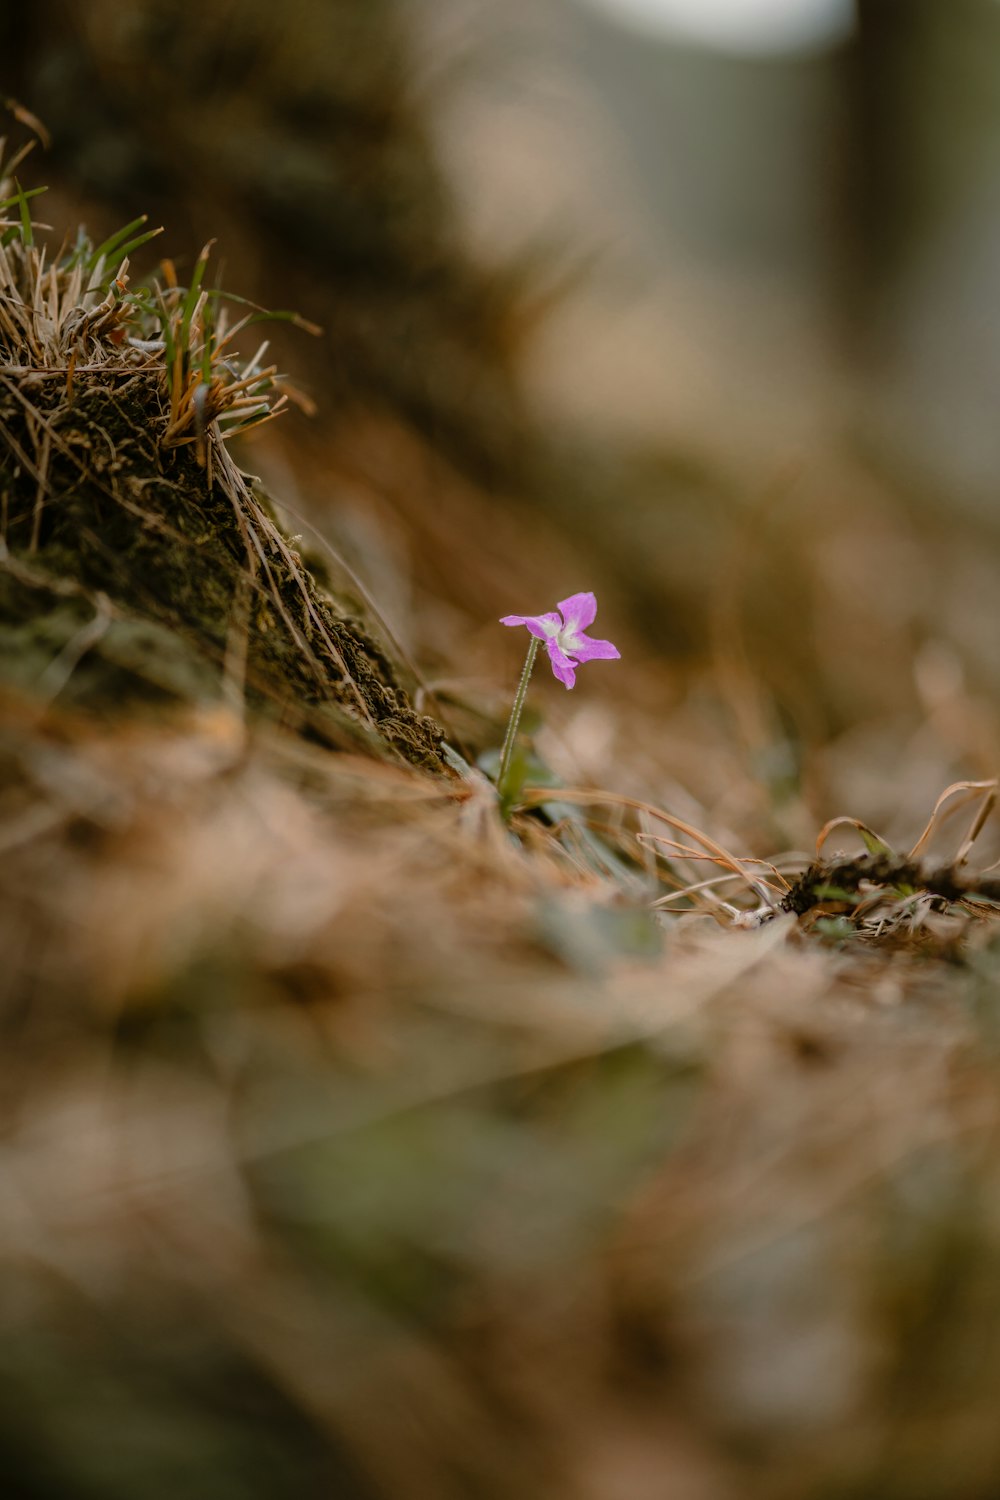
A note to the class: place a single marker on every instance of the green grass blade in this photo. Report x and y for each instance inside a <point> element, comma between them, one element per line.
<point>21,198</point>
<point>110,245</point>
<point>27,233</point>
<point>123,250</point>
<point>265,315</point>
<point>210,340</point>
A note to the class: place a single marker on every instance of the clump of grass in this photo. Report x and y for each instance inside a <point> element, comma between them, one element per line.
<point>76,314</point>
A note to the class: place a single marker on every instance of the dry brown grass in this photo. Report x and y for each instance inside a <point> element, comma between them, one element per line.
<point>322,1089</point>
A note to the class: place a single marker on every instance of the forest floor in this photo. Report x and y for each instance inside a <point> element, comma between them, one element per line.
<point>367,1134</point>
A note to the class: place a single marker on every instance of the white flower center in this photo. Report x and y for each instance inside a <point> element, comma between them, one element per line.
<point>568,640</point>
<point>564,636</point>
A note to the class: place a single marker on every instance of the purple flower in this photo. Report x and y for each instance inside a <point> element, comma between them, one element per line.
<point>564,636</point>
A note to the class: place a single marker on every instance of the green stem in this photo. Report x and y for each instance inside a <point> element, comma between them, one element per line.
<point>507,753</point>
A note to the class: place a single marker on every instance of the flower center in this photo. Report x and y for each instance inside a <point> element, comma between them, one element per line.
<point>568,639</point>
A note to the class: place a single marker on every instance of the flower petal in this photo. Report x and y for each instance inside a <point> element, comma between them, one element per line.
<point>563,666</point>
<point>578,611</point>
<point>589,650</point>
<point>544,627</point>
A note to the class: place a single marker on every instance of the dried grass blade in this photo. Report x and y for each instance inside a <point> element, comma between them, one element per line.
<point>970,788</point>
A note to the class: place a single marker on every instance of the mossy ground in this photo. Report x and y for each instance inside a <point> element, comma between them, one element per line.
<point>200,598</point>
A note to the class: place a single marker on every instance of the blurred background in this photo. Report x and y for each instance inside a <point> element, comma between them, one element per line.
<point>347,1152</point>
<point>794,201</point>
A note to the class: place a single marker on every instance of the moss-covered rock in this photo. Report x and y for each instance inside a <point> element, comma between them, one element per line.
<point>132,571</point>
